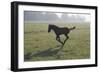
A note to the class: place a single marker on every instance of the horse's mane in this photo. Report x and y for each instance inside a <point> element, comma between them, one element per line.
<point>53,26</point>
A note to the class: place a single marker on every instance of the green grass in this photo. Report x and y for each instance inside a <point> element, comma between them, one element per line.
<point>39,45</point>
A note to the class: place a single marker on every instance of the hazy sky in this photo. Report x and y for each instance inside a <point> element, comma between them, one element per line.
<point>52,16</point>
<point>86,16</point>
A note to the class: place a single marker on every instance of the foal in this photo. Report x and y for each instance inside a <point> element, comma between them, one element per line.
<point>59,31</point>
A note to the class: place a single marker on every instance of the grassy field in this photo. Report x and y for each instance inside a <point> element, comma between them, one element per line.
<point>39,45</point>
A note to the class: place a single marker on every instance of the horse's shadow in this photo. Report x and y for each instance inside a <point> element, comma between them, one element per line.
<point>45,53</point>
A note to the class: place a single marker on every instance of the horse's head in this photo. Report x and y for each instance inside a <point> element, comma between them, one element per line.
<point>49,28</point>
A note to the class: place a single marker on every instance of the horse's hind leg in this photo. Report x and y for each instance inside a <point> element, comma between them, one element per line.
<point>67,37</point>
<point>58,39</point>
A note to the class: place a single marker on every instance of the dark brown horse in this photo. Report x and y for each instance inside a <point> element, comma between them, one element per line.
<point>59,31</point>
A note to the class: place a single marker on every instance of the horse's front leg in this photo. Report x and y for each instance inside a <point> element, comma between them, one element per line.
<point>58,39</point>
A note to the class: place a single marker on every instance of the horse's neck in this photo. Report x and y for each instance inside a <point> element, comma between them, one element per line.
<point>55,28</point>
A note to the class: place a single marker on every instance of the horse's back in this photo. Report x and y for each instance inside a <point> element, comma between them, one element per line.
<point>64,30</point>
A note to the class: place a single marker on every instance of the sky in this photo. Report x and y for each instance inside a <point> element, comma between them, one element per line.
<point>87,16</point>
<point>55,16</point>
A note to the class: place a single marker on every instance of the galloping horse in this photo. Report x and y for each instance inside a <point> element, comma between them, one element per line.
<point>59,31</point>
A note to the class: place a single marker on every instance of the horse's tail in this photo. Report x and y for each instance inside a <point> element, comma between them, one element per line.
<point>72,28</point>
